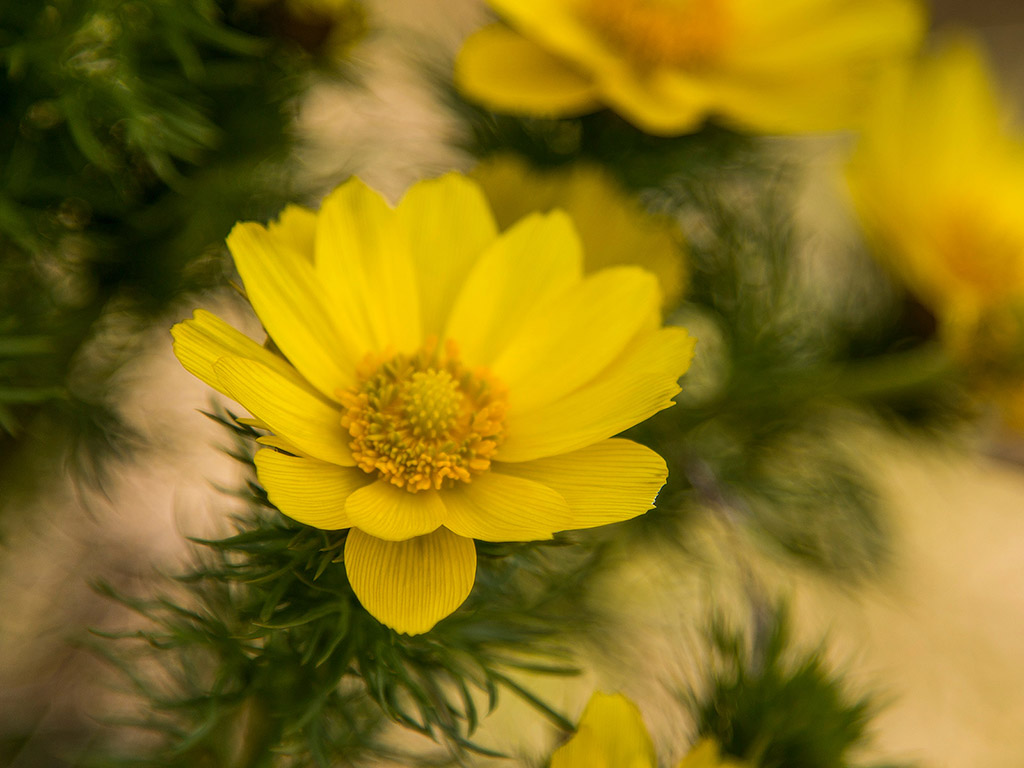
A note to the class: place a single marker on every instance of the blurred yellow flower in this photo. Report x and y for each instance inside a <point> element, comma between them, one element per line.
<point>438,382</point>
<point>666,65</point>
<point>612,734</point>
<point>613,227</point>
<point>938,182</point>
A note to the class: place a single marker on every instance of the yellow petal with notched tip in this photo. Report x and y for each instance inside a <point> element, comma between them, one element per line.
<point>448,216</point>
<point>203,340</point>
<point>389,512</point>
<point>290,302</point>
<point>577,334</point>
<point>296,228</point>
<point>410,585</point>
<point>497,507</point>
<point>633,388</point>
<point>607,482</point>
<point>537,258</point>
<point>310,491</point>
<point>366,269</point>
<point>308,422</point>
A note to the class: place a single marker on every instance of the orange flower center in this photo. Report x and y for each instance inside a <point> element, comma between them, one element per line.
<point>680,33</point>
<point>424,421</point>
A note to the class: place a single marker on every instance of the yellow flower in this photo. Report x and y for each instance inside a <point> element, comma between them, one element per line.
<point>438,382</point>
<point>666,65</point>
<point>612,734</point>
<point>614,228</point>
<point>938,183</point>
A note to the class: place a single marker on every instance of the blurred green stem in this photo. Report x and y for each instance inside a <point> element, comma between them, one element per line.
<point>898,373</point>
<point>892,376</point>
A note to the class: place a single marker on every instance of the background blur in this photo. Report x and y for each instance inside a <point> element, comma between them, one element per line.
<point>938,633</point>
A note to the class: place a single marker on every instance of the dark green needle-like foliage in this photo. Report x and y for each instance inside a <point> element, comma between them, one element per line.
<point>267,652</point>
<point>132,136</point>
<point>775,705</point>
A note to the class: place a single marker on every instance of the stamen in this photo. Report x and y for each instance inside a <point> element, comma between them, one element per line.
<point>424,421</point>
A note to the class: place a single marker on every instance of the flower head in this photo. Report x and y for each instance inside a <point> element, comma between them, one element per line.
<point>612,734</point>
<point>938,182</point>
<point>665,65</point>
<point>438,383</point>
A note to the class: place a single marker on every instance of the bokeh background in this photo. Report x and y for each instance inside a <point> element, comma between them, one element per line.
<point>938,633</point>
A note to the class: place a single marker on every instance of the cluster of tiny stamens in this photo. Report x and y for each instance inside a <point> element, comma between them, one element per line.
<point>683,33</point>
<point>423,421</point>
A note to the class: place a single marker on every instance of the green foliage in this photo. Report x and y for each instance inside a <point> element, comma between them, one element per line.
<point>774,706</point>
<point>268,643</point>
<point>763,428</point>
<point>133,135</point>
<point>638,160</point>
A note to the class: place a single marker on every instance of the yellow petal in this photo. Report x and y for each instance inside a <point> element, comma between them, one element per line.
<point>308,422</point>
<point>364,265</point>
<point>559,27</point>
<point>203,340</point>
<point>802,68</point>
<point>535,259</point>
<point>614,227</point>
<point>659,102</point>
<point>611,734</point>
<point>296,228</point>
<point>633,388</point>
<point>564,344</point>
<point>287,298</point>
<point>448,225</point>
<point>276,441</point>
<point>607,482</point>
<point>584,750</point>
<point>388,512</point>
<point>496,507</point>
<point>410,585</point>
<point>310,491</point>
<point>506,72</point>
<point>850,36</point>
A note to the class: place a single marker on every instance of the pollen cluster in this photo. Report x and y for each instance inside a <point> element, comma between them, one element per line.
<point>683,33</point>
<point>424,421</point>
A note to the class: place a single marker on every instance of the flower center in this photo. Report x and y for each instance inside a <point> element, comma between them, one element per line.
<point>424,421</point>
<point>682,33</point>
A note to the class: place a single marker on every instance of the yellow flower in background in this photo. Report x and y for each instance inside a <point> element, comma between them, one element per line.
<point>613,227</point>
<point>666,65</point>
<point>938,182</point>
<point>438,383</point>
<point>612,734</point>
